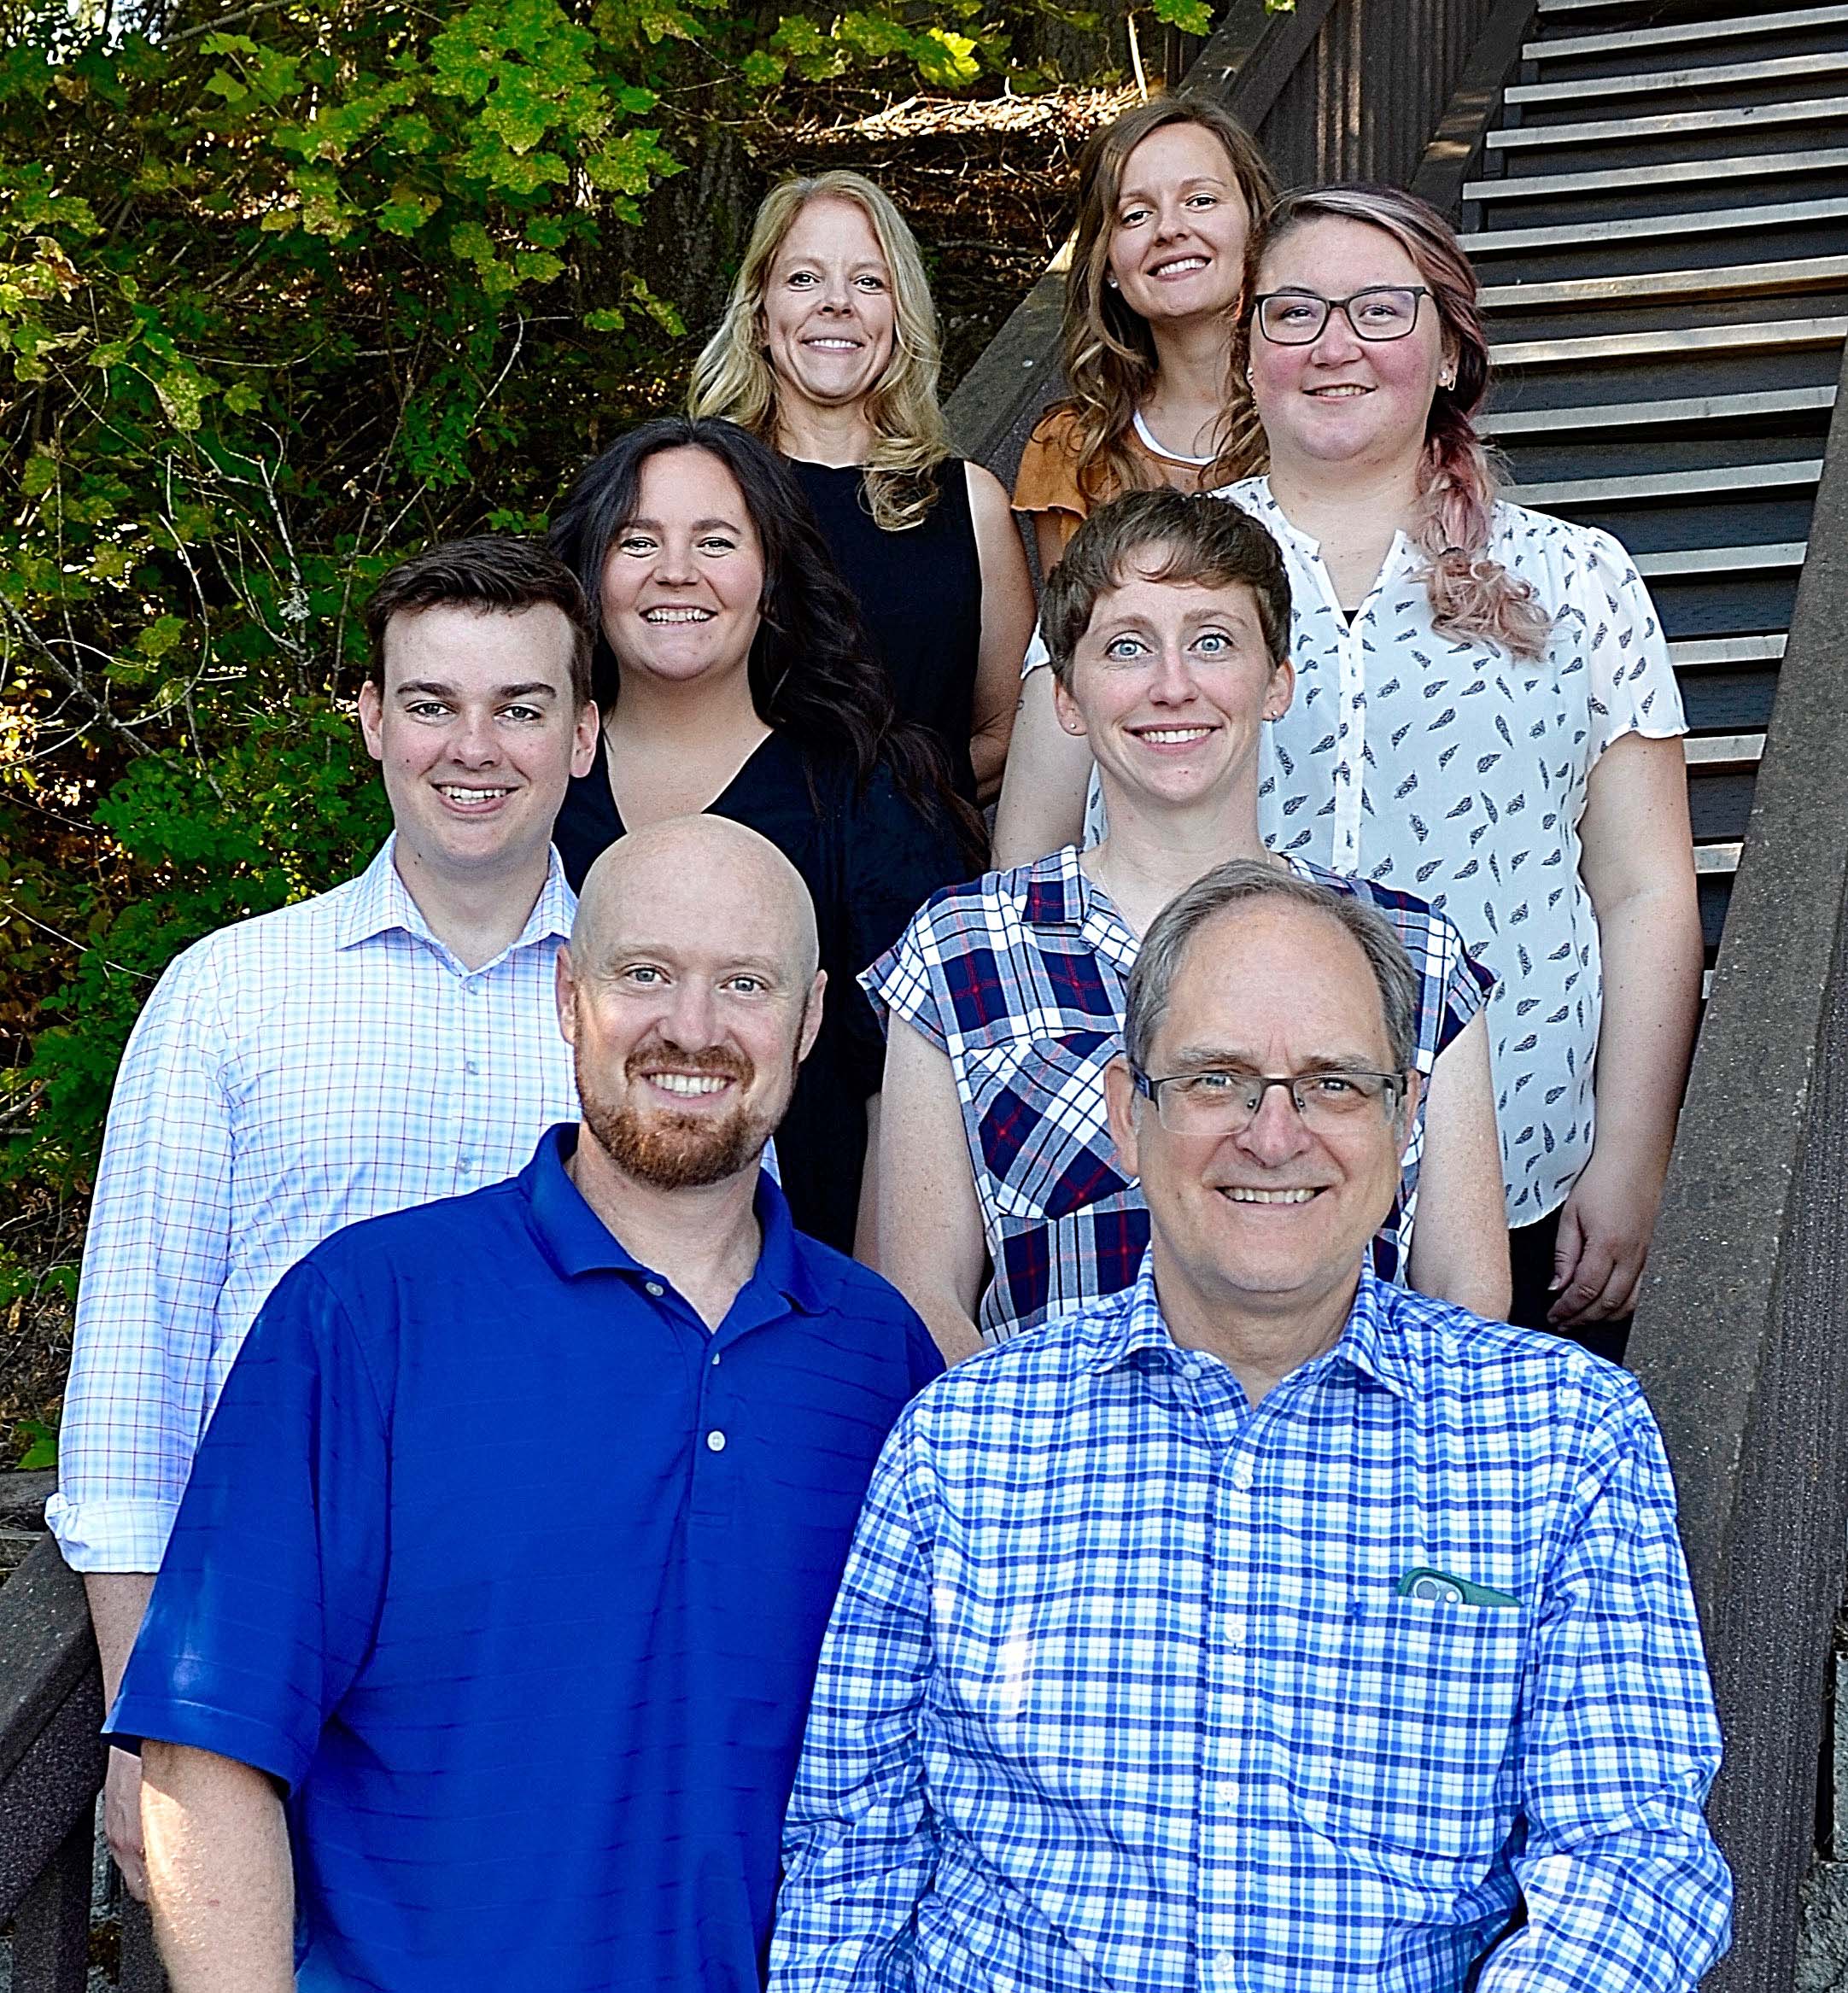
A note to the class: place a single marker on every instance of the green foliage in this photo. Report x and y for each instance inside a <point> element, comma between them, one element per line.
<point>286,291</point>
<point>41,1437</point>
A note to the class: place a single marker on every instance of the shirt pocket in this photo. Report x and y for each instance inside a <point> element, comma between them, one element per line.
<point>1403,1729</point>
<point>1037,1108</point>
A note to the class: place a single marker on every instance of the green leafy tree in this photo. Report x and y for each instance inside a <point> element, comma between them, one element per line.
<point>288,289</point>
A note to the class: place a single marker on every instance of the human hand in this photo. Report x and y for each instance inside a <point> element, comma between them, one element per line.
<point>121,1820</point>
<point>1604,1230</point>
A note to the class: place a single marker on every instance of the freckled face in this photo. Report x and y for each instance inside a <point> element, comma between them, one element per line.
<point>1344,400</point>
<point>829,320</point>
<point>1171,683</point>
<point>1177,249</point>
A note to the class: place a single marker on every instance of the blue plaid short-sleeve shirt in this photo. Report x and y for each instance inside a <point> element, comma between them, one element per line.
<point>1021,978</point>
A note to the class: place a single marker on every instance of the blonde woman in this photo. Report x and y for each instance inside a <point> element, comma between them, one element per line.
<point>828,352</point>
<point>1166,196</point>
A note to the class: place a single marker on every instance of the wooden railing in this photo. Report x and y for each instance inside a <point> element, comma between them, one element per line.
<point>1741,1342</point>
<point>51,1764</point>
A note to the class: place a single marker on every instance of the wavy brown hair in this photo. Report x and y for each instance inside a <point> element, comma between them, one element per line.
<point>1472,595</point>
<point>1108,351</point>
<point>811,668</point>
<point>733,377</point>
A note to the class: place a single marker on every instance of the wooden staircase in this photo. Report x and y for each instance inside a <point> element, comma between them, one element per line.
<point>1661,226</point>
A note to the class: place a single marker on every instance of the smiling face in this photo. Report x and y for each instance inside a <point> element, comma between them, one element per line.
<point>689,997</point>
<point>1343,400</point>
<point>1178,248</point>
<point>828,318</point>
<point>477,733</point>
<point>1275,1218</point>
<point>1170,683</point>
<point>684,577</point>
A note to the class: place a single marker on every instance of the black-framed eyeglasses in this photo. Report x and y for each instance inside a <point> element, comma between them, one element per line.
<point>1380,313</point>
<point>1217,1101</point>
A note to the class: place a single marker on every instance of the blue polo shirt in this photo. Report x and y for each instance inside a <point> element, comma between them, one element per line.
<point>515,1576</point>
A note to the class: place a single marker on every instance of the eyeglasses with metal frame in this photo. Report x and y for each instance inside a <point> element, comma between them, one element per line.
<point>1218,1102</point>
<point>1297,318</point>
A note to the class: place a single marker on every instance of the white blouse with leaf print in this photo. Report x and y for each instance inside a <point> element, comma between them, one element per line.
<point>1448,769</point>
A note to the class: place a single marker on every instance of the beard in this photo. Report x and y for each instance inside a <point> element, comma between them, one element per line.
<point>671,1151</point>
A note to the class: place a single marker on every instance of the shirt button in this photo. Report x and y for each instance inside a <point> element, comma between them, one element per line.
<point>465,1163</point>
<point>1242,1477</point>
<point>715,1359</point>
<point>1235,1635</point>
<point>655,1287</point>
<point>1225,1792</point>
<point>473,1066</point>
<point>715,1441</point>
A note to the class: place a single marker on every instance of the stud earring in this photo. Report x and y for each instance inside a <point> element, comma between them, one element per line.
<point>1110,280</point>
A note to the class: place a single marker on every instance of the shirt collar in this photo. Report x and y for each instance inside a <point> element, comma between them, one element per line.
<point>580,1242</point>
<point>380,903</point>
<point>1059,894</point>
<point>1369,1343</point>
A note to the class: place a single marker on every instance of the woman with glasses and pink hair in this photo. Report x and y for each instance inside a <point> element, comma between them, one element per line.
<point>1485,716</point>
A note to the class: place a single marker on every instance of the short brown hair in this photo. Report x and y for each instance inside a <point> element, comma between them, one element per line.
<point>488,572</point>
<point>1206,542</point>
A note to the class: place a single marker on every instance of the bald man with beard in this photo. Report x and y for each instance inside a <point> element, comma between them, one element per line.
<point>481,1651</point>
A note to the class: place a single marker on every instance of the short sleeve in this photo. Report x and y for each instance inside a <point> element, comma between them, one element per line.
<point>902,982</point>
<point>1467,986</point>
<point>1047,480</point>
<point>267,1600</point>
<point>1631,688</point>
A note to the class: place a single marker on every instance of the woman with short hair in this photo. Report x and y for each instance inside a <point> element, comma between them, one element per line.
<point>1001,1201</point>
<point>1485,714</point>
<point>827,351</point>
<point>733,676</point>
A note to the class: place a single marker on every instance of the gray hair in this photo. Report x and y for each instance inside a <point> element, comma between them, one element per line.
<point>1244,882</point>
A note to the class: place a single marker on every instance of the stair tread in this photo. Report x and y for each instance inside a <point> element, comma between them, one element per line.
<point>1625,40</point>
<point>1795,273</point>
<point>1669,125</point>
<point>1677,410</point>
<point>1650,227</point>
<point>1679,172</point>
<point>1669,484</point>
<point>1656,83</point>
<point>1584,346</point>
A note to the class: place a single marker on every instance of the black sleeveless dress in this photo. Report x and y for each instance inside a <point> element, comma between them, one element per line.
<point>921,592</point>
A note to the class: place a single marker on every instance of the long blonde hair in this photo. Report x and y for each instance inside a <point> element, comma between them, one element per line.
<point>733,377</point>
<point>1471,594</point>
<point>1107,350</point>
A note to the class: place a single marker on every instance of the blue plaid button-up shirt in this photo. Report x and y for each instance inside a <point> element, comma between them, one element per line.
<point>1120,1693</point>
<point>1021,978</point>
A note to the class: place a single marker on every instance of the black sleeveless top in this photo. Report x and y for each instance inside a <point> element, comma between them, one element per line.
<point>921,592</point>
<point>869,861</point>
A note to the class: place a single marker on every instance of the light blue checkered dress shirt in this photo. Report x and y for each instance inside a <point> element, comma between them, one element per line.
<point>1118,1693</point>
<point>289,1075</point>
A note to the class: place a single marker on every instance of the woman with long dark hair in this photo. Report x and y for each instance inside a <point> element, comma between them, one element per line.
<point>735,676</point>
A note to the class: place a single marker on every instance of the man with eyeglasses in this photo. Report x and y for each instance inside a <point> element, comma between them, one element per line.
<point>1265,1626</point>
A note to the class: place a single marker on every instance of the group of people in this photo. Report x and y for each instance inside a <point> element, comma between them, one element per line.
<point>519,1280</point>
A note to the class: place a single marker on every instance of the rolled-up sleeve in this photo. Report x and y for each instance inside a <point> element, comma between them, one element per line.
<point>1623,1884</point>
<point>154,1263</point>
